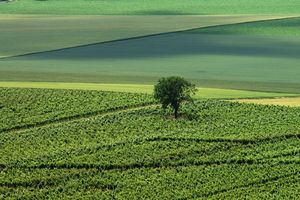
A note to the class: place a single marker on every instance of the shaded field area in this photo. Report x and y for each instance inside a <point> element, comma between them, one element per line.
<point>202,93</point>
<point>215,150</point>
<point>154,7</point>
<point>21,34</point>
<point>287,27</point>
<point>237,61</point>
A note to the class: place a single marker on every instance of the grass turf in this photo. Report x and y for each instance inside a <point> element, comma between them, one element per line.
<point>154,7</point>
<point>203,93</point>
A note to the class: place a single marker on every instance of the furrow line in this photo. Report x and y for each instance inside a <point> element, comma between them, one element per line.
<point>77,117</point>
<point>153,165</point>
<point>251,184</point>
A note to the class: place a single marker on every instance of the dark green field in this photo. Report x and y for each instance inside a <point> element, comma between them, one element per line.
<point>153,7</point>
<point>131,150</point>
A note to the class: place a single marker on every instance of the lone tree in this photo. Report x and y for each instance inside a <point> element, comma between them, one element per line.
<point>173,91</point>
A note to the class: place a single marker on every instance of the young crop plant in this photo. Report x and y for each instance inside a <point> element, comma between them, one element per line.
<point>172,91</point>
<point>20,108</point>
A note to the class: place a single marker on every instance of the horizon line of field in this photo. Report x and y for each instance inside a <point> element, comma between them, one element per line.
<point>276,18</point>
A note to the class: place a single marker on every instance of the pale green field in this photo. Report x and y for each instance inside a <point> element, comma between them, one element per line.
<point>205,56</point>
<point>22,34</point>
<point>203,93</point>
<point>229,61</point>
<point>151,7</point>
<point>292,102</point>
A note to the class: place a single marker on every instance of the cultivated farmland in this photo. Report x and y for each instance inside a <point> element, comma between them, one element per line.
<point>78,119</point>
<point>223,149</point>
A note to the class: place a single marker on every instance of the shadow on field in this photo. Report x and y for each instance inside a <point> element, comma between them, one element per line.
<point>179,44</point>
<point>155,164</point>
<point>290,27</point>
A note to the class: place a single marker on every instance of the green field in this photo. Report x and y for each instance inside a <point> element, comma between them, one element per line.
<point>223,150</point>
<point>286,27</point>
<point>26,107</point>
<point>21,34</point>
<point>237,61</point>
<point>292,102</point>
<point>202,93</point>
<point>78,119</point>
<point>153,7</point>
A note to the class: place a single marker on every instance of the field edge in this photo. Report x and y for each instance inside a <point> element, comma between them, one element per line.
<point>203,92</point>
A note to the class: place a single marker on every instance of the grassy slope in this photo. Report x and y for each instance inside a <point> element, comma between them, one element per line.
<point>32,33</point>
<point>231,149</point>
<point>203,93</point>
<point>287,27</point>
<point>134,7</point>
<point>251,62</point>
<point>137,154</point>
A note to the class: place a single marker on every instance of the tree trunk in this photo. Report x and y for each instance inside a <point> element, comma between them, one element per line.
<point>176,112</point>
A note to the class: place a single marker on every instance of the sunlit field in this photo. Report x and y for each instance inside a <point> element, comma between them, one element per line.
<point>84,113</point>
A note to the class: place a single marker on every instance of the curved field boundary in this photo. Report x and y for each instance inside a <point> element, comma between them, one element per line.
<point>50,32</point>
<point>52,182</point>
<point>253,183</point>
<point>228,140</point>
<point>140,141</point>
<point>269,159</point>
<point>152,165</point>
<point>147,36</point>
<point>78,117</point>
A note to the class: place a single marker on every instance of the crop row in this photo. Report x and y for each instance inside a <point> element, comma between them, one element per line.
<point>159,183</point>
<point>29,107</point>
<point>143,136</point>
<point>215,150</point>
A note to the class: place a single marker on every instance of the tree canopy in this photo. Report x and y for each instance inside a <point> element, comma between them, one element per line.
<point>172,91</point>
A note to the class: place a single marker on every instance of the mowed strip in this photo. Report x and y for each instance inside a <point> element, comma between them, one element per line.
<point>203,93</point>
<point>292,102</point>
<point>21,34</point>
